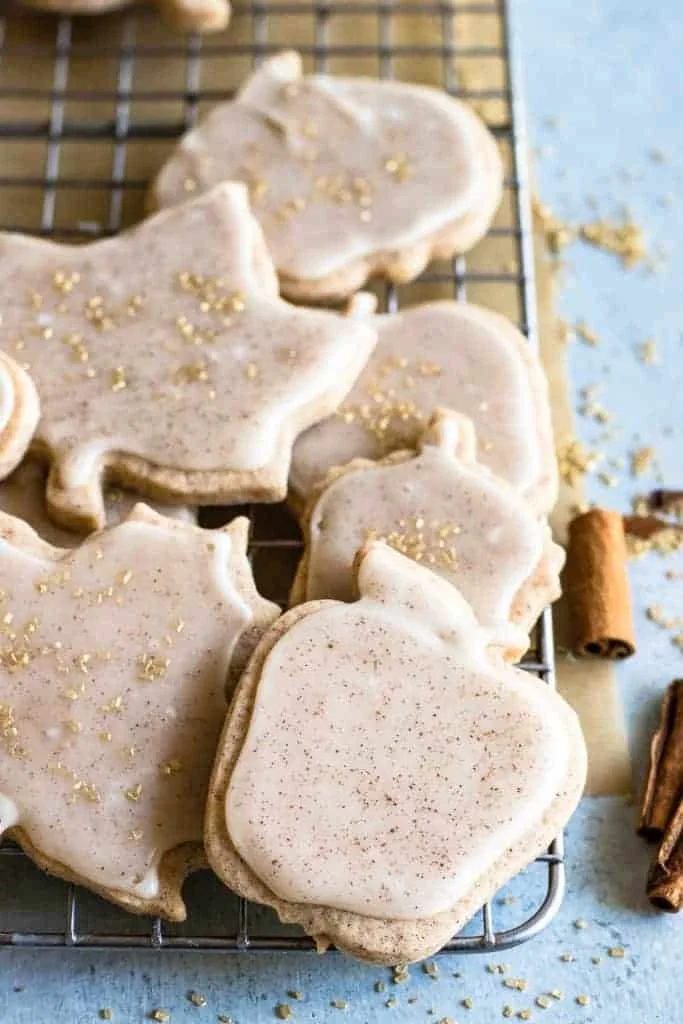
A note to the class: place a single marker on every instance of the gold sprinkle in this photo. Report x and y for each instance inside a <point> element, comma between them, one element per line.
<point>519,984</point>
<point>161,1016</point>
<point>283,1011</point>
<point>114,706</point>
<point>339,1004</point>
<point>617,952</point>
<point>152,667</point>
<point>251,371</point>
<point>106,1013</point>
<point>105,737</point>
<point>125,577</point>
<point>190,185</point>
<point>134,793</point>
<point>118,379</point>
<point>557,233</point>
<point>135,834</point>
<point>544,1002</point>
<point>586,334</point>
<point>625,239</point>
<point>641,460</point>
<point>581,923</point>
<point>431,969</point>
<point>468,1003</point>
<point>647,352</point>
<point>583,999</point>
<point>74,726</point>
<point>575,461</point>
<point>556,993</point>
<point>568,958</point>
<point>524,1014</point>
<point>401,974</point>
<point>172,767</point>
<point>196,998</point>
<point>508,1011</point>
<point>391,1002</point>
<point>295,994</point>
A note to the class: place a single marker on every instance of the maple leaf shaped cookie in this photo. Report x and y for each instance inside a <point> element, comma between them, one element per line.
<point>440,507</point>
<point>23,495</point>
<point>422,770</point>
<point>447,355</point>
<point>19,413</point>
<point>114,659</point>
<point>166,361</point>
<point>349,177</point>
<point>185,15</point>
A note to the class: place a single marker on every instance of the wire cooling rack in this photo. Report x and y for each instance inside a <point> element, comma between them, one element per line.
<point>89,108</point>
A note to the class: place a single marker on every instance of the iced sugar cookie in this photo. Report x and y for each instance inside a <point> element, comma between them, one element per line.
<point>165,360</point>
<point>114,659</point>
<point>19,413</point>
<point>441,355</point>
<point>187,15</point>
<point>23,495</point>
<point>422,770</point>
<point>349,177</point>
<point>440,507</point>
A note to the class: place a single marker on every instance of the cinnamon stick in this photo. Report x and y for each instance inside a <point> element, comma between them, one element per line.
<point>597,586</point>
<point>665,880</point>
<point>664,784</point>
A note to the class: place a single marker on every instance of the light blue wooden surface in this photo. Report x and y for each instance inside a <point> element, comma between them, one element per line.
<point>607,74</point>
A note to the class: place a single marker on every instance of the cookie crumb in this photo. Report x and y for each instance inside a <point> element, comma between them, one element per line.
<point>400,974</point>
<point>544,1002</point>
<point>519,984</point>
<point>283,1011</point>
<point>431,969</point>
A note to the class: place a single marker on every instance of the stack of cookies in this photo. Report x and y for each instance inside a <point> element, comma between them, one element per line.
<point>370,764</point>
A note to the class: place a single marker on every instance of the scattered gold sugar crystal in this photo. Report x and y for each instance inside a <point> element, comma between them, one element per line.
<point>575,460</point>
<point>641,460</point>
<point>431,968</point>
<point>557,233</point>
<point>106,1013</point>
<point>161,1016</point>
<point>586,334</point>
<point>625,239</point>
<point>583,999</point>
<point>544,1002</point>
<point>283,1011</point>
<point>647,352</point>
<point>400,974</point>
<point>134,793</point>
<point>152,667</point>
<point>196,998</point>
<point>339,1004</point>
<point>519,984</point>
<point>617,952</point>
<point>118,379</point>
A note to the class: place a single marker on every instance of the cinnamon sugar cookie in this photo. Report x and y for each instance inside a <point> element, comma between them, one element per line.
<point>19,413</point>
<point>185,15</point>
<point>23,495</point>
<point>349,177</point>
<point>129,641</point>
<point>166,362</point>
<point>440,507</point>
<point>440,355</point>
<point>422,771</point>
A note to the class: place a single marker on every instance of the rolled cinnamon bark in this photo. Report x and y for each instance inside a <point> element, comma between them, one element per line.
<point>665,881</point>
<point>596,582</point>
<point>664,784</point>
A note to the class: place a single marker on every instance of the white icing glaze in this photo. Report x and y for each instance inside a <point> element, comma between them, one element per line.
<point>414,758</point>
<point>7,395</point>
<point>340,168</point>
<point>23,495</point>
<point>128,639</point>
<point>170,342</point>
<point>440,355</point>
<point>441,508</point>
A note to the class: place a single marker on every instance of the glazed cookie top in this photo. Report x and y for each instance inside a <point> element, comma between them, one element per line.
<point>129,640</point>
<point>339,168</point>
<point>441,355</point>
<point>170,343</point>
<point>416,759</point>
<point>23,495</point>
<point>439,507</point>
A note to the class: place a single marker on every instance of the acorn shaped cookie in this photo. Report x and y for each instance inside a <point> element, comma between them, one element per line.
<point>440,507</point>
<point>422,771</point>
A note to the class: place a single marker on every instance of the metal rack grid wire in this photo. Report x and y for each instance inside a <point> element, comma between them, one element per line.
<point>52,98</point>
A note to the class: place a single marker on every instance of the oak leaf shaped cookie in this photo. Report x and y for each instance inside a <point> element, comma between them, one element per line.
<point>382,771</point>
<point>439,506</point>
<point>349,177</point>
<point>114,659</point>
<point>185,15</point>
<point>19,413</point>
<point>166,361</point>
<point>448,355</point>
<point>23,495</point>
